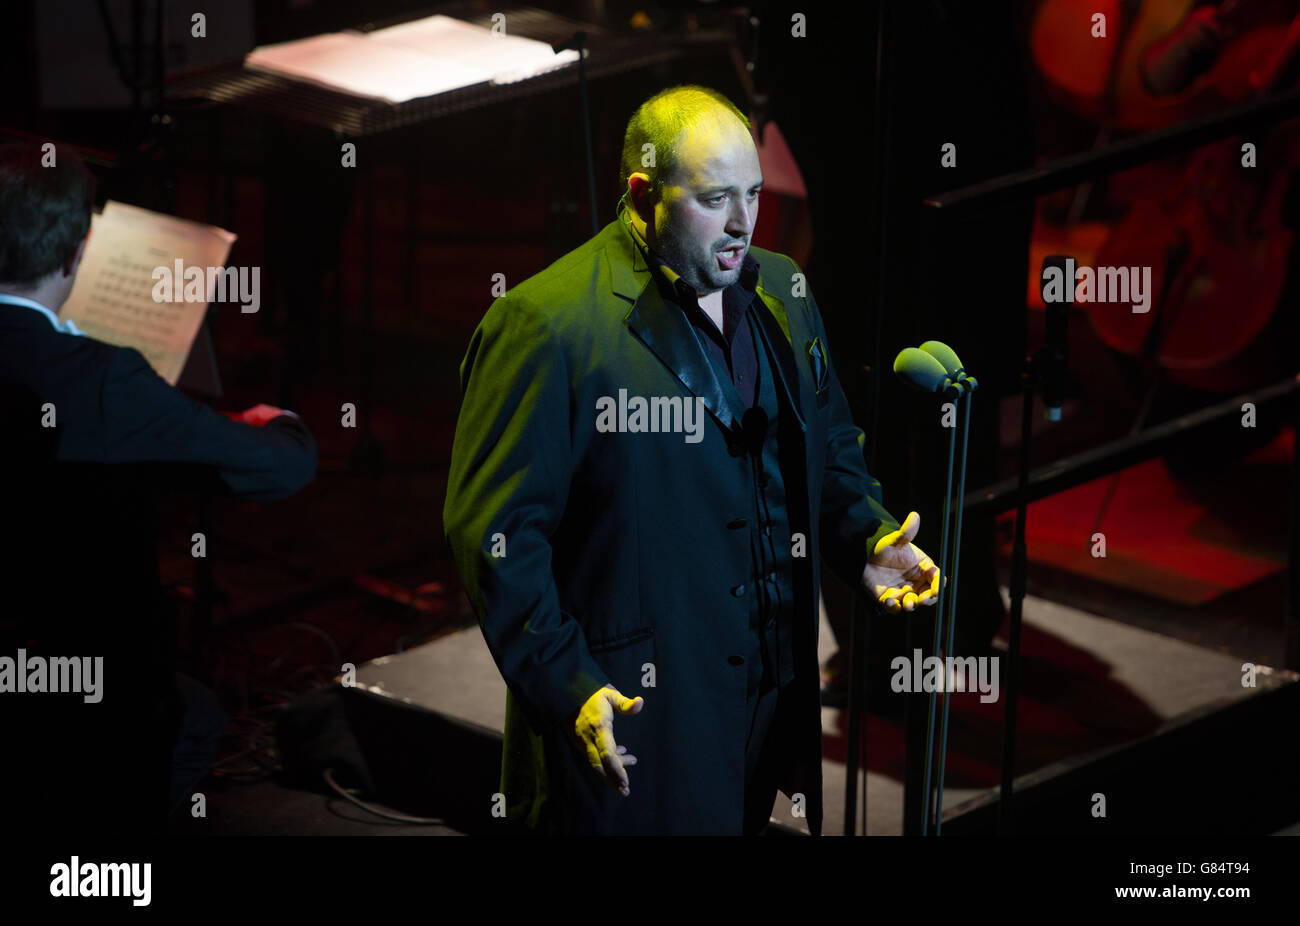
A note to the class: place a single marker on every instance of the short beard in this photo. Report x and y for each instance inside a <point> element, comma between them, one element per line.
<point>676,257</point>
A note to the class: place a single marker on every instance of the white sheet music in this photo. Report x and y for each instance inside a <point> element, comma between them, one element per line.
<point>112,299</point>
<point>412,60</point>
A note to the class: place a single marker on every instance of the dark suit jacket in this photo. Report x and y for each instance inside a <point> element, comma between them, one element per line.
<point>622,550</point>
<point>79,573</point>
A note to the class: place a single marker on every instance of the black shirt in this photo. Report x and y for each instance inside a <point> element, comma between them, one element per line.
<point>733,347</point>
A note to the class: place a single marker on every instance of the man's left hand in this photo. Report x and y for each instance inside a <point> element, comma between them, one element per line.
<point>899,574</point>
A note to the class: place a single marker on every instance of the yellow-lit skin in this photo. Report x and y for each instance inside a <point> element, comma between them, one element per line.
<point>592,734</point>
<point>899,573</point>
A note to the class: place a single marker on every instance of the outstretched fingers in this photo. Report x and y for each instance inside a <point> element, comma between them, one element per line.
<point>926,578</point>
<point>611,762</point>
<point>892,596</point>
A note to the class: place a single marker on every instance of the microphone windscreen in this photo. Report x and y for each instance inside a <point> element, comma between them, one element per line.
<point>920,370</point>
<point>946,356</point>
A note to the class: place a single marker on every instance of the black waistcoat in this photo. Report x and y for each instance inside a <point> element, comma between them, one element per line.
<point>770,589</point>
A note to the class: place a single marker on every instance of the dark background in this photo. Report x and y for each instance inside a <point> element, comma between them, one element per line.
<point>354,566</point>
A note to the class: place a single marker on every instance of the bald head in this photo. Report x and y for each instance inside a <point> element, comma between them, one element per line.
<point>692,179</point>
<point>651,144</point>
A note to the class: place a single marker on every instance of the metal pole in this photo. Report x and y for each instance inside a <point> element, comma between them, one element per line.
<point>586,132</point>
<point>1019,565</point>
<point>1291,618</point>
<point>857,701</point>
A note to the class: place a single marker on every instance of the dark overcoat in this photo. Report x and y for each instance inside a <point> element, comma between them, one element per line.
<point>593,556</point>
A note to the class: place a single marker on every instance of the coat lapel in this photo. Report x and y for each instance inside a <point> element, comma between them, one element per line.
<point>671,337</point>
<point>776,331</point>
<point>666,330</point>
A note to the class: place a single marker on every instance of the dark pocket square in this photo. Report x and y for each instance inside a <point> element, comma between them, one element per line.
<point>820,368</point>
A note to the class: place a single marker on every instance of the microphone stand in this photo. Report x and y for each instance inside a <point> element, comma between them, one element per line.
<point>578,42</point>
<point>965,401</point>
<point>1030,379</point>
<point>945,597</point>
<point>1044,367</point>
<point>935,368</point>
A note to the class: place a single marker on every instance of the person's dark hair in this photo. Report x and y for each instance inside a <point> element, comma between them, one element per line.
<point>44,211</point>
<point>660,120</point>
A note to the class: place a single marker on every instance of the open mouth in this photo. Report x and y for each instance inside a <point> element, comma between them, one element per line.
<point>730,258</point>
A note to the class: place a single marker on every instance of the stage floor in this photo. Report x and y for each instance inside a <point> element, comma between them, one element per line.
<point>1089,683</point>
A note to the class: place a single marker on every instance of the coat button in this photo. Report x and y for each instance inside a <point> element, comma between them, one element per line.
<point>738,591</point>
<point>737,523</point>
<point>736,660</point>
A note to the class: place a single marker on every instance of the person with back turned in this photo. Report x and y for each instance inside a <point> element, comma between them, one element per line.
<point>93,717</point>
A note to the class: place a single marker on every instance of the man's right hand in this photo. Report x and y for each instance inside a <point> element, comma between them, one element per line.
<point>591,731</point>
<point>258,415</point>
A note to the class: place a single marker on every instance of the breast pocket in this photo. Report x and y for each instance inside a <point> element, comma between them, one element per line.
<point>819,365</point>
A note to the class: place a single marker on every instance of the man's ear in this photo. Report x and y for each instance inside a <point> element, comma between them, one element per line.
<point>641,197</point>
<point>72,263</point>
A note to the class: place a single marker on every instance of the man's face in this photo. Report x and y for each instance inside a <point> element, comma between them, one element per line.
<point>705,214</point>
